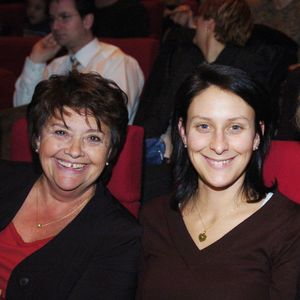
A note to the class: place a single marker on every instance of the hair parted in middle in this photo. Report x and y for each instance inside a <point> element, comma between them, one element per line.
<point>233,19</point>
<point>241,84</point>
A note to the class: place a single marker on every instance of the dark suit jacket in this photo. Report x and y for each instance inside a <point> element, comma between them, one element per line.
<point>94,257</point>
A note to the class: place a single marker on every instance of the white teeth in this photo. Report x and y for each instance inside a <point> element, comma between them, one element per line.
<point>70,165</point>
<point>219,163</point>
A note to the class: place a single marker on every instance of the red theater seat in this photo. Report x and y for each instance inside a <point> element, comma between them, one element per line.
<point>125,182</point>
<point>144,50</point>
<point>283,164</point>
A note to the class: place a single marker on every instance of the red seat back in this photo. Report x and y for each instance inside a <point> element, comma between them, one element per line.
<point>283,164</point>
<point>12,18</point>
<point>125,182</point>
<point>13,51</point>
<point>7,87</point>
<point>144,50</point>
<point>155,11</point>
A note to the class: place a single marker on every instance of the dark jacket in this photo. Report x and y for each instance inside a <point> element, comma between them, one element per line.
<point>94,257</point>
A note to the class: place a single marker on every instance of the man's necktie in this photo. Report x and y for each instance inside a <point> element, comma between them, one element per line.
<point>74,62</point>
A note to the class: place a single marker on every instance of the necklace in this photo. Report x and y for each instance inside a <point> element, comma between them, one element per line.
<point>72,212</point>
<point>203,235</point>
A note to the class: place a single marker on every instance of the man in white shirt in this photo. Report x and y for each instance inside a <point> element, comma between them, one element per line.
<point>71,28</point>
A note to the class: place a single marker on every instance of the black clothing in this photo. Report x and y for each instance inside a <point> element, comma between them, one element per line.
<point>93,257</point>
<point>125,18</point>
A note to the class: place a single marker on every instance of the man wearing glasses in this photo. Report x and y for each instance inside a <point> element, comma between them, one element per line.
<point>71,28</point>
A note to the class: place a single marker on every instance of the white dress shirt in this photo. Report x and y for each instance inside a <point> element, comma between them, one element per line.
<point>107,60</point>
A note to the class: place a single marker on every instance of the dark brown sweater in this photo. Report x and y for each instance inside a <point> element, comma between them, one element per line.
<point>258,259</point>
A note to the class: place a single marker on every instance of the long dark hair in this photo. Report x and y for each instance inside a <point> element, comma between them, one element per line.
<point>241,84</point>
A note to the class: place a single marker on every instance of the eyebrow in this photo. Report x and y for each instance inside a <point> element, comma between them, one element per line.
<point>230,119</point>
<point>62,124</point>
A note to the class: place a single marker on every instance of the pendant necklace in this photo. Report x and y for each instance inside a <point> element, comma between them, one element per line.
<point>72,212</point>
<point>203,235</point>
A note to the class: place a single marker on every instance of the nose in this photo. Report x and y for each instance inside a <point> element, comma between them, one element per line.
<point>55,24</point>
<point>219,143</point>
<point>74,148</point>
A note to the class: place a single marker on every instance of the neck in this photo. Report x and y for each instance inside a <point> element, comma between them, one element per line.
<point>218,201</point>
<point>214,49</point>
<point>60,199</point>
<point>83,42</point>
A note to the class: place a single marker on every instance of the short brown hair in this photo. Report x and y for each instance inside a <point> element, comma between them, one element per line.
<point>90,93</point>
<point>233,20</point>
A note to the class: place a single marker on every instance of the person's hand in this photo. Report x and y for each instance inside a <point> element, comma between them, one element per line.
<point>294,67</point>
<point>44,49</point>
<point>182,15</point>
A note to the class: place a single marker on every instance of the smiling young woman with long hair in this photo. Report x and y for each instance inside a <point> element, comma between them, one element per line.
<point>223,234</point>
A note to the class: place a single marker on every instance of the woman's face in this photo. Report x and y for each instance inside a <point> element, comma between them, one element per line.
<point>73,156</point>
<point>36,11</point>
<point>220,137</point>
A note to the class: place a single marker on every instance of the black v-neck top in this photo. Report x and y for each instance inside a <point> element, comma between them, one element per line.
<point>258,259</point>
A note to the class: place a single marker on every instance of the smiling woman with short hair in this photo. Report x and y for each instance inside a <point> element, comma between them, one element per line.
<point>62,234</point>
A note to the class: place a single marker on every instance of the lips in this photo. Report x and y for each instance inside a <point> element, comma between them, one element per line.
<point>219,163</point>
<point>69,165</point>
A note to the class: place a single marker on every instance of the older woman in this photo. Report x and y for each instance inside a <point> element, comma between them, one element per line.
<point>63,235</point>
<point>223,234</point>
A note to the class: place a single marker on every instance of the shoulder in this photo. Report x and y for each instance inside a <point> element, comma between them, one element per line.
<point>111,216</point>
<point>284,214</point>
<point>12,170</point>
<point>155,210</point>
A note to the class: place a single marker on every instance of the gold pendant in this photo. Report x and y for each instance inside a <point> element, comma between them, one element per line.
<point>202,236</point>
<point>39,225</point>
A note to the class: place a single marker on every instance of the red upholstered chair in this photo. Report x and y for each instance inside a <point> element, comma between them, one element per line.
<point>7,86</point>
<point>11,18</point>
<point>155,10</point>
<point>125,182</point>
<point>144,50</point>
<point>13,51</point>
<point>283,163</point>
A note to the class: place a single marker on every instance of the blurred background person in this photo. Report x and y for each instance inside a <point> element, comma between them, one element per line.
<point>63,235</point>
<point>222,234</point>
<point>71,29</point>
<point>37,19</point>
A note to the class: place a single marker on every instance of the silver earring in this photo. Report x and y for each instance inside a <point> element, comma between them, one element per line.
<point>107,163</point>
<point>185,145</point>
<point>36,150</point>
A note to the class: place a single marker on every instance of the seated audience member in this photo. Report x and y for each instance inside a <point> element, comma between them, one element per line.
<point>282,15</point>
<point>290,93</point>
<point>223,234</point>
<point>37,21</point>
<point>63,235</point>
<point>121,18</point>
<point>222,30</point>
<point>71,26</point>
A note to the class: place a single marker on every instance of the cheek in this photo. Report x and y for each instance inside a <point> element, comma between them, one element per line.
<point>196,142</point>
<point>242,144</point>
